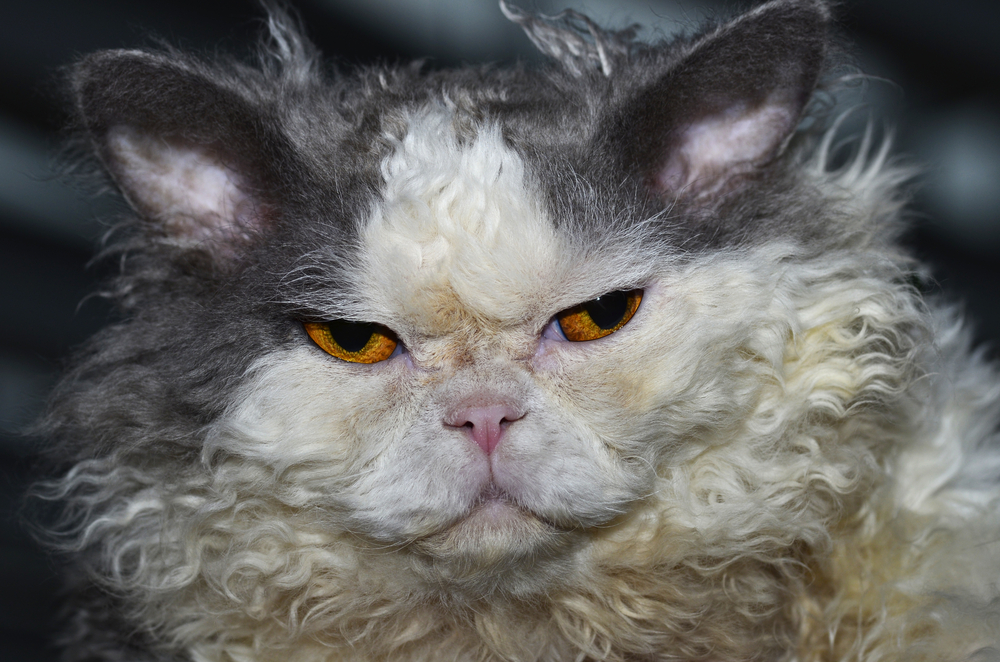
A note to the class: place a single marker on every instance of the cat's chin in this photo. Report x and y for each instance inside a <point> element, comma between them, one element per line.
<point>495,532</point>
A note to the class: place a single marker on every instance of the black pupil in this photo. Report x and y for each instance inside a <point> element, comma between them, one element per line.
<point>352,336</point>
<point>608,310</point>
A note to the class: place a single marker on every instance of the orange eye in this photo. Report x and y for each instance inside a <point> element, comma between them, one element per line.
<point>599,317</point>
<point>357,342</point>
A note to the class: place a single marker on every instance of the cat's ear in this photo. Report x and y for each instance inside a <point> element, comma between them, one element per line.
<point>729,104</point>
<point>192,156</point>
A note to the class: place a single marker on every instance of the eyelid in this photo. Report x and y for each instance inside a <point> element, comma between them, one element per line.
<point>553,331</point>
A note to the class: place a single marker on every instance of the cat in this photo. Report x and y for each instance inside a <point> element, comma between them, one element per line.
<point>610,358</point>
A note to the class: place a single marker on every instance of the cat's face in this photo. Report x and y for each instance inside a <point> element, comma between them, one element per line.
<point>487,435</point>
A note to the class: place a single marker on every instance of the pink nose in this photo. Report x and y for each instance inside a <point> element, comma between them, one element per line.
<point>485,424</point>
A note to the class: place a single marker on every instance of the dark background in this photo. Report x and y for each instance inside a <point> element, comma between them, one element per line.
<point>943,61</point>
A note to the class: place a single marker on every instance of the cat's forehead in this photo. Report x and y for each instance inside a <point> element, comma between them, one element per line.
<point>461,232</point>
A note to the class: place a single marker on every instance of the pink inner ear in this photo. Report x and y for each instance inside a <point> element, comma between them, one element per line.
<point>710,151</point>
<point>185,187</point>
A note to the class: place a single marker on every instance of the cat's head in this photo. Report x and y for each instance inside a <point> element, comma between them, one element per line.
<point>480,319</point>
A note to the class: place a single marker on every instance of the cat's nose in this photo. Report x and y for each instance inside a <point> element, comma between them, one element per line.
<point>485,424</point>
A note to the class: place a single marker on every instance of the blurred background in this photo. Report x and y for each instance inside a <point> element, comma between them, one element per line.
<point>937,67</point>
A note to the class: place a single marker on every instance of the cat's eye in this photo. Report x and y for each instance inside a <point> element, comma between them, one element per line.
<point>599,317</point>
<point>357,342</point>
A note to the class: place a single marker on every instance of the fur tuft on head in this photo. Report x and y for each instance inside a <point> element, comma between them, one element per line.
<point>574,40</point>
<point>296,58</point>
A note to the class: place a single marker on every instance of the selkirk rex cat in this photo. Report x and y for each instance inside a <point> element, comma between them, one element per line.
<point>606,359</point>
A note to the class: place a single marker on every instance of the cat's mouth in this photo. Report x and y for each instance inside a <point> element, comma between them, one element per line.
<point>495,508</point>
<point>495,528</point>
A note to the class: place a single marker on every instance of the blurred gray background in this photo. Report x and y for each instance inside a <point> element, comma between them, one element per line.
<point>938,69</point>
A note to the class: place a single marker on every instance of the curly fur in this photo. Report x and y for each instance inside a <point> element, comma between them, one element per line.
<point>788,453</point>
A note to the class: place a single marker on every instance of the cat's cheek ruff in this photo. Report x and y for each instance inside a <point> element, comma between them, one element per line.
<point>350,456</point>
<point>720,500</point>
